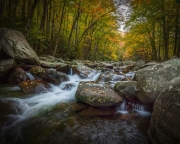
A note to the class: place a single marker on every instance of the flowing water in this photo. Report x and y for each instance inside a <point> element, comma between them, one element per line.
<point>48,118</point>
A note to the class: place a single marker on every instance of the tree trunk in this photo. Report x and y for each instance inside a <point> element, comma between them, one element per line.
<point>165,34</point>
<point>59,30</point>
<point>176,33</point>
<point>2,6</point>
<point>30,17</point>
<point>73,25</point>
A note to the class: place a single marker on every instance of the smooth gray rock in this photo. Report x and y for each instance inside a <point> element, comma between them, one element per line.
<point>126,89</point>
<point>14,45</point>
<point>98,95</point>
<point>152,80</point>
<point>165,119</point>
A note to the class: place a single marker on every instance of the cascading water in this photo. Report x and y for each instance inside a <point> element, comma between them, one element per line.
<point>31,77</point>
<point>142,110</point>
<point>46,118</point>
<point>71,71</point>
<point>122,107</point>
<point>30,106</point>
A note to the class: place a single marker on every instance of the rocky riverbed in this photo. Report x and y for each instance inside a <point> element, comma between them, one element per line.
<point>50,100</point>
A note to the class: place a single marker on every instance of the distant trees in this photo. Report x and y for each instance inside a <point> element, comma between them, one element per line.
<point>66,28</point>
<point>155,26</point>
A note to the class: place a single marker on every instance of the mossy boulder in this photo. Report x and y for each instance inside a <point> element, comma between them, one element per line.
<point>97,94</point>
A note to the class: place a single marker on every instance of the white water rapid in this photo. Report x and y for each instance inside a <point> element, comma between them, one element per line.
<point>30,106</point>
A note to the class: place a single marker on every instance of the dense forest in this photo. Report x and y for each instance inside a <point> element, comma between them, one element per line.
<point>84,29</point>
<point>89,29</point>
<point>154,29</point>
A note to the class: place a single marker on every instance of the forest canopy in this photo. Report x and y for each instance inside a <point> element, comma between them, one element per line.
<point>153,29</point>
<point>84,29</point>
<point>89,29</point>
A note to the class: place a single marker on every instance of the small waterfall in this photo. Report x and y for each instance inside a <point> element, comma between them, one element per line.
<point>31,77</point>
<point>71,71</point>
<point>138,107</point>
<point>141,110</point>
<point>122,107</point>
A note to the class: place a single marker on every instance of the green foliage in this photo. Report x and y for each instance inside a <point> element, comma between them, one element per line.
<point>68,28</point>
<point>152,29</point>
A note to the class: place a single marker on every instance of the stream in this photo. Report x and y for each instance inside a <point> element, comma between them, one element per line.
<point>49,119</point>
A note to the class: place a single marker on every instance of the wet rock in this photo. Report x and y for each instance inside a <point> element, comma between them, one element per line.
<point>92,111</point>
<point>18,76</point>
<point>50,62</point>
<point>34,86</point>
<point>139,63</point>
<point>135,69</point>
<point>65,68</point>
<point>106,65</point>
<point>55,77</point>
<point>110,76</point>
<point>52,59</point>
<point>38,71</point>
<point>126,63</point>
<point>5,66</point>
<point>14,45</point>
<point>47,64</point>
<point>149,64</point>
<point>165,120</point>
<point>84,71</point>
<point>152,80</point>
<point>126,89</point>
<point>91,64</point>
<point>50,76</point>
<point>98,95</point>
<point>125,69</point>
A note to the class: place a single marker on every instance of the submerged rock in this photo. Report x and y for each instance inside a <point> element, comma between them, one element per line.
<point>92,111</point>
<point>18,76</point>
<point>14,45</point>
<point>165,120</point>
<point>77,106</point>
<point>34,86</point>
<point>98,95</point>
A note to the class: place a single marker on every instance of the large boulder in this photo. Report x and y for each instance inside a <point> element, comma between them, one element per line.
<point>165,119</point>
<point>5,66</point>
<point>98,95</point>
<point>152,80</point>
<point>14,45</point>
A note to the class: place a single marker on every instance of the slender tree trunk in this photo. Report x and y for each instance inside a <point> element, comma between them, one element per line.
<point>176,33</point>
<point>30,17</point>
<point>165,34</point>
<point>59,31</point>
<point>23,12</point>
<point>2,6</point>
<point>73,25</point>
<point>44,14</point>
